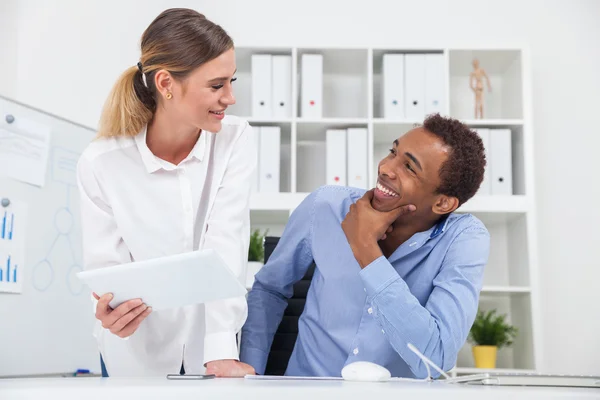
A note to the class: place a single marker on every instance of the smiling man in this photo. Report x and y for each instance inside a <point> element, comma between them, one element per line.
<point>395,265</point>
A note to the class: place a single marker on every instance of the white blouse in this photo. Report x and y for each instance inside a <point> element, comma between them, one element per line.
<point>135,206</point>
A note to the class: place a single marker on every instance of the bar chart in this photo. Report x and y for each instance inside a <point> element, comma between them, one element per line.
<point>8,272</point>
<point>12,255</point>
<point>11,275</point>
<point>7,226</point>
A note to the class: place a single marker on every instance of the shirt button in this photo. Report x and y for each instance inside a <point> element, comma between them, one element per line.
<point>355,351</point>
<point>365,289</point>
<point>370,310</point>
<point>382,331</point>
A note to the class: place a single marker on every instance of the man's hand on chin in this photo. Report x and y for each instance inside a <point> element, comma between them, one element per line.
<point>229,369</point>
<point>364,227</point>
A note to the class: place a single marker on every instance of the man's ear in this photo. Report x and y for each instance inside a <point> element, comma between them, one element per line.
<point>445,205</point>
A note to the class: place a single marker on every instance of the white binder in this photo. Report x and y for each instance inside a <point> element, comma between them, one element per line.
<point>256,131</point>
<point>282,86</point>
<point>435,87</point>
<point>485,189</point>
<point>261,86</point>
<point>311,158</point>
<point>311,91</point>
<point>414,83</point>
<point>269,161</point>
<point>357,158</point>
<point>501,161</point>
<point>392,99</point>
<point>336,157</point>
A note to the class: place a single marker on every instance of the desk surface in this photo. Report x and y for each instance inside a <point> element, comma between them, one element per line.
<point>225,389</point>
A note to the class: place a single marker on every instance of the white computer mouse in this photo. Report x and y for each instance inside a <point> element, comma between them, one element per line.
<point>365,371</point>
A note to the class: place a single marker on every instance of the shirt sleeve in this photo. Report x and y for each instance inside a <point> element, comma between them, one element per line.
<point>103,246</point>
<point>440,328</point>
<point>228,233</point>
<point>273,285</point>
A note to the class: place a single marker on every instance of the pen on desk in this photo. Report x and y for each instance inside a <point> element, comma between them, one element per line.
<point>81,372</point>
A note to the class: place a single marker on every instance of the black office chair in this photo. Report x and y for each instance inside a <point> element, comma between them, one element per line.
<point>287,332</point>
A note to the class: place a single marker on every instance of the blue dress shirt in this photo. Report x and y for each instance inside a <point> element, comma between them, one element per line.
<point>426,293</point>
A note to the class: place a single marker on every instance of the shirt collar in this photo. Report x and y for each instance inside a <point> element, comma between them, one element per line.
<point>419,239</point>
<point>200,147</point>
<point>440,227</point>
<point>153,163</point>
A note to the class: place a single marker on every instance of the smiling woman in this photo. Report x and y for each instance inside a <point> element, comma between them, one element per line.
<point>173,48</point>
<point>169,173</point>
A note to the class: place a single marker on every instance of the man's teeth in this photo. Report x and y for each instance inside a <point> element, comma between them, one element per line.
<point>386,191</point>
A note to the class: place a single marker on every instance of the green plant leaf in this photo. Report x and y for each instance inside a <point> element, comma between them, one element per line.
<point>490,329</point>
<point>256,251</point>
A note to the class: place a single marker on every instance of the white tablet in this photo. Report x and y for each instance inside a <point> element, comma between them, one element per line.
<point>167,282</point>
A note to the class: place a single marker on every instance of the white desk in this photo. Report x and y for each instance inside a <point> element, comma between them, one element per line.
<point>240,389</point>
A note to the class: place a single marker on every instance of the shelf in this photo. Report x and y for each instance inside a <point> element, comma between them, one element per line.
<point>390,121</point>
<point>496,204</point>
<point>438,71</point>
<point>505,290</point>
<point>519,313</point>
<point>276,201</point>
<point>345,81</point>
<point>352,95</point>
<point>469,371</point>
<point>254,120</point>
<point>503,68</point>
<point>497,210</point>
<point>285,153</point>
<point>333,121</point>
<point>493,122</point>
<point>314,130</point>
<point>383,121</point>
<point>242,88</point>
<point>384,134</point>
<point>352,61</point>
<point>478,204</point>
<point>387,130</point>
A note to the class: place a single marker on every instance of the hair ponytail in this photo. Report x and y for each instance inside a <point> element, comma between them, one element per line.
<point>128,108</point>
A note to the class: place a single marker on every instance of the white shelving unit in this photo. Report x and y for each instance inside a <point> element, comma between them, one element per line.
<point>351,96</point>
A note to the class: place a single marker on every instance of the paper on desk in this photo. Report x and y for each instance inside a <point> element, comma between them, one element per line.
<point>24,147</point>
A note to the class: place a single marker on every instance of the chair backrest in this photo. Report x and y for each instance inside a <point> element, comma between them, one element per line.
<point>287,332</point>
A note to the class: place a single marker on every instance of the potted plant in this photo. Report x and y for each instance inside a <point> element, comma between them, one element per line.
<point>488,334</point>
<point>256,254</point>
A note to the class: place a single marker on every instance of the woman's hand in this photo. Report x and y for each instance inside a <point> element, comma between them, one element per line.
<point>229,369</point>
<point>124,320</point>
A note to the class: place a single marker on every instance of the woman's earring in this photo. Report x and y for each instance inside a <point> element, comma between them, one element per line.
<point>169,96</point>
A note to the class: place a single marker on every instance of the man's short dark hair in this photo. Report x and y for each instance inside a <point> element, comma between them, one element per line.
<point>462,173</point>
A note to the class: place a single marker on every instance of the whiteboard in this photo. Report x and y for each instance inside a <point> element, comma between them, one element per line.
<point>47,329</point>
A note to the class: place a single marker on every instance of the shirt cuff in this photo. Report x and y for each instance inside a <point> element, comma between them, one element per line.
<point>377,276</point>
<point>220,346</point>
<point>254,357</point>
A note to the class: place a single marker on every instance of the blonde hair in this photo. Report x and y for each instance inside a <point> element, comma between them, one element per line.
<point>179,40</point>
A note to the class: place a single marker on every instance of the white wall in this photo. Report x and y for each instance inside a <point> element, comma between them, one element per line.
<point>70,52</point>
<point>8,47</point>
